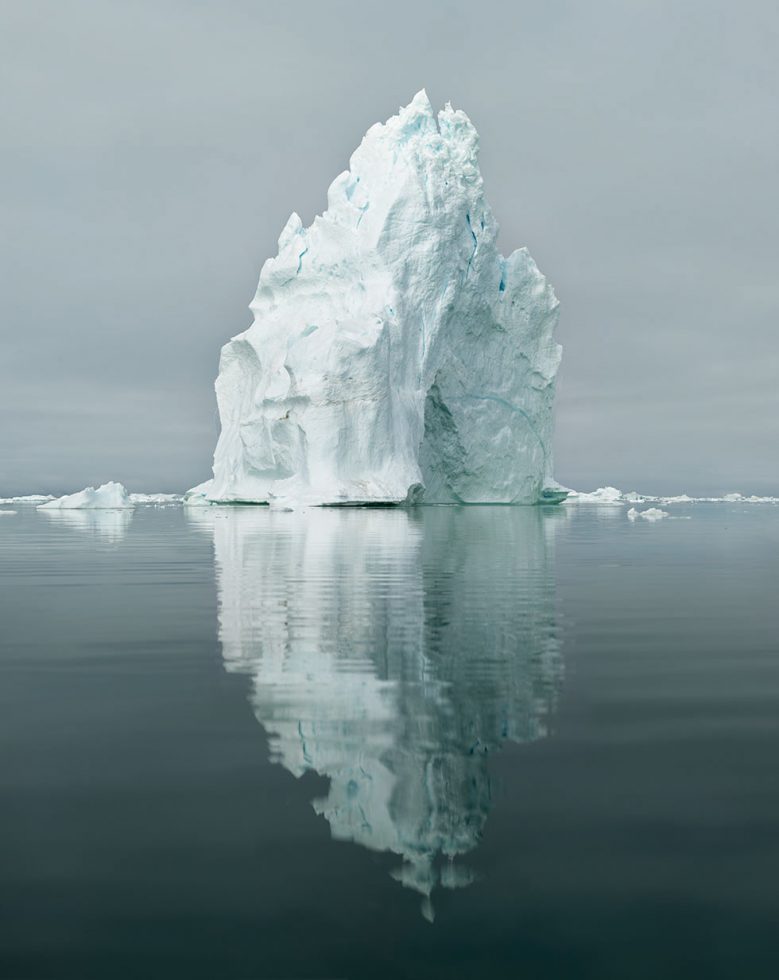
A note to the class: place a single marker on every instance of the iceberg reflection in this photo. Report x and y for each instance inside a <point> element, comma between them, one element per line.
<point>110,525</point>
<point>392,651</point>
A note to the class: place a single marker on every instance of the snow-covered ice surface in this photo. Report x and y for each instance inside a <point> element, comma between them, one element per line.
<point>395,354</point>
<point>109,496</point>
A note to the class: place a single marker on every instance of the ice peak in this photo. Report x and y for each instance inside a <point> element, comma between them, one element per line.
<point>420,104</point>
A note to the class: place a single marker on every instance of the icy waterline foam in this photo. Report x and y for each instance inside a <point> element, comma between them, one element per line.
<point>395,355</point>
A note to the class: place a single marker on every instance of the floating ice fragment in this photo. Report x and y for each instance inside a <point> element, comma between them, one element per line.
<point>109,496</point>
<point>611,495</point>
<point>195,498</point>
<point>634,497</point>
<point>282,504</point>
<point>652,514</point>
<point>603,495</point>
<point>29,498</point>
<point>156,498</point>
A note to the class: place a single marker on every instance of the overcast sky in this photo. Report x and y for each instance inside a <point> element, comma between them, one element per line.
<point>152,151</point>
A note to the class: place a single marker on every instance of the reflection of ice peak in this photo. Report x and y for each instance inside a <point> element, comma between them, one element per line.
<point>391,652</point>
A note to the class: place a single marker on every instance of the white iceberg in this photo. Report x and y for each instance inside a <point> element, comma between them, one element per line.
<point>603,495</point>
<point>28,498</point>
<point>109,496</point>
<point>740,498</point>
<point>395,354</point>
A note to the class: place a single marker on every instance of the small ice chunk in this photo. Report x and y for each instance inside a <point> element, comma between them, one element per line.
<point>193,498</point>
<point>603,495</point>
<point>155,498</point>
<point>109,496</point>
<point>610,495</point>
<point>7,513</point>
<point>740,498</point>
<point>634,497</point>
<point>652,514</point>
<point>281,503</point>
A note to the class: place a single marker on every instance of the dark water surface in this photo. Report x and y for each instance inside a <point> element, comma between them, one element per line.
<point>452,742</point>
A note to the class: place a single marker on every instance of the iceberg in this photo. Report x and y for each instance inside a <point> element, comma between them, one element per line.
<point>603,495</point>
<point>109,496</point>
<point>395,354</point>
<point>28,498</point>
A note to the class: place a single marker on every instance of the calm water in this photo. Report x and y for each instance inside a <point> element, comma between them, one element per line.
<point>454,742</point>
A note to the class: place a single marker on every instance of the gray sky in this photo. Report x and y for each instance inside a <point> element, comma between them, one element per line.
<point>152,151</point>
